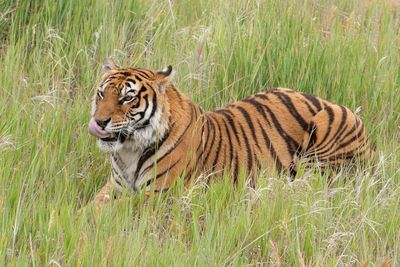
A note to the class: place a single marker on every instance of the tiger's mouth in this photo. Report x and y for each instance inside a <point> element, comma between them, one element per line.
<point>114,137</point>
<point>104,135</point>
<point>109,139</point>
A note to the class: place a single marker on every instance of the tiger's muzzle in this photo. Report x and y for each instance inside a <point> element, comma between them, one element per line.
<point>96,130</point>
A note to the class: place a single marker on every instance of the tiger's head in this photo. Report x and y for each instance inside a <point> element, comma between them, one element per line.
<point>130,108</point>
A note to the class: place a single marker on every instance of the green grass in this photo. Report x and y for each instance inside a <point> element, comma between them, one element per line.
<point>50,56</point>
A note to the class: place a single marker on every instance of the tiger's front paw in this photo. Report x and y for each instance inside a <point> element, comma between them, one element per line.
<point>101,199</point>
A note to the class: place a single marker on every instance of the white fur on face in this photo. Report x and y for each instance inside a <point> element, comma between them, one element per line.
<point>132,86</point>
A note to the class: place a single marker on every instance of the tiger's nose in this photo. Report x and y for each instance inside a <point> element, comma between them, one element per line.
<point>103,124</point>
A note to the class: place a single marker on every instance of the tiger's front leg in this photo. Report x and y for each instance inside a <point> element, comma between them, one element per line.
<point>103,196</point>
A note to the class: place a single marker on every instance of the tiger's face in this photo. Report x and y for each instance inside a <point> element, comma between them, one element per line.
<point>129,107</point>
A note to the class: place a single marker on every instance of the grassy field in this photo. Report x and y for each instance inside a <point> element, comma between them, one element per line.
<point>50,54</point>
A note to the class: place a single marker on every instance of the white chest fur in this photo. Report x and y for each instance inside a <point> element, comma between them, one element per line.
<point>124,165</point>
<point>125,160</point>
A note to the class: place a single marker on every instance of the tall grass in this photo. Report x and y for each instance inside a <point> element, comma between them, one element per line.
<point>50,55</point>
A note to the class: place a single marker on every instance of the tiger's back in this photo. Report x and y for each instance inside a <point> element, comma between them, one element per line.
<point>279,126</point>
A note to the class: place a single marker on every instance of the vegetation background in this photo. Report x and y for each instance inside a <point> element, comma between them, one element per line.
<point>51,51</point>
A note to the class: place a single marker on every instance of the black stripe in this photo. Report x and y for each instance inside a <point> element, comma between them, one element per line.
<point>138,95</point>
<point>148,152</point>
<point>262,96</point>
<point>141,72</point>
<point>270,147</point>
<point>312,136</point>
<point>167,170</point>
<point>131,80</point>
<point>121,165</point>
<point>335,140</point>
<point>354,138</point>
<point>218,148</point>
<point>141,113</point>
<point>189,174</point>
<point>201,144</point>
<point>291,144</point>
<point>357,150</point>
<point>116,76</point>
<point>154,101</point>
<point>179,140</point>
<point>125,73</point>
<point>337,135</point>
<point>205,123</point>
<point>292,171</point>
<point>223,164</point>
<point>201,136</point>
<point>309,108</point>
<point>230,142</point>
<point>236,169</point>
<point>292,109</point>
<point>128,86</point>
<point>344,156</point>
<point>248,151</point>
<point>162,173</point>
<point>258,163</point>
<point>137,77</point>
<point>350,154</point>
<point>329,110</point>
<point>316,103</point>
<point>142,89</point>
<point>200,156</point>
<point>211,142</point>
<point>354,128</point>
<point>229,116</point>
<point>259,108</point>
<point>249,123</point>
<point>114,171</point>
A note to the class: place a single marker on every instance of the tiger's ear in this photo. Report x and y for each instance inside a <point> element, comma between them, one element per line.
<point>164,78</point>
<point>108,65</point>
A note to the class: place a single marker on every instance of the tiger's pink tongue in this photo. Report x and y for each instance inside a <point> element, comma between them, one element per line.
<point>95,130</point>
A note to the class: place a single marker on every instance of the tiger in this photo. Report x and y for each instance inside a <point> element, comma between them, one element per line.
<point>155,134</point>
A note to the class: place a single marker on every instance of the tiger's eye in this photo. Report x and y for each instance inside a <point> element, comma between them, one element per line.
<point>128,98</point>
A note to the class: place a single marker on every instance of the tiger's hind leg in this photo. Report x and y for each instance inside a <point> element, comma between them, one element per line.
<point>335,137</point>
